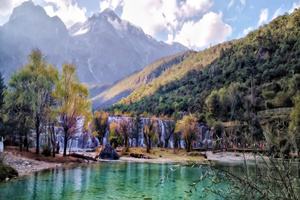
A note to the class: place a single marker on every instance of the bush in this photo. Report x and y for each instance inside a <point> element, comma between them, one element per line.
<point>116,141</point>
<point>5,170</point>
<point>46,149</point>
<point>283,100</point>
<point>268,94</point>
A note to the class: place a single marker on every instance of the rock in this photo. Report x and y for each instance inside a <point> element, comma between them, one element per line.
<point>7,179</point>
<point>109,153</point>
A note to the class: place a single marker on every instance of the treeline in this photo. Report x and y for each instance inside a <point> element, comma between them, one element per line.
<point>40,100</point>
<point>223,81</point>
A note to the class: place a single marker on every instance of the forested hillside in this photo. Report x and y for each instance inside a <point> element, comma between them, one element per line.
<point>108,95</point>
<point>217,81</point>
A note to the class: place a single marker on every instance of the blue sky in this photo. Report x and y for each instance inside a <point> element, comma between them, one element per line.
<point>194,23</point>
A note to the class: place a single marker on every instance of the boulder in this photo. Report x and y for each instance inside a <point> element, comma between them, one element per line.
<point>109,153</point>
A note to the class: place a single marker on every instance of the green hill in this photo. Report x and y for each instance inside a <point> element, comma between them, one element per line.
<point>217,81</point>
<point>110,94</point>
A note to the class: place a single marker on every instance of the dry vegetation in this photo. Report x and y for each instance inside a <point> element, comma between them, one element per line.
<point>169,154</point>
<point>31,155</point>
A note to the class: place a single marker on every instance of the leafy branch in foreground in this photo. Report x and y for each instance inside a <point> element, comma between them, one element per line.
<point>268,175</point>
<point>262,178</point>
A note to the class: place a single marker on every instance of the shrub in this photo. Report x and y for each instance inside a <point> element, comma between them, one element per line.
<point>46,149</point>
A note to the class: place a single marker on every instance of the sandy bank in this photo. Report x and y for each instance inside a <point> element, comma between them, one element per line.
<point>229,157</point>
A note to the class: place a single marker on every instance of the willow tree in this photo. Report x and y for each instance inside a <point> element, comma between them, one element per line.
<point>73,103</point>
<point>100,124</point>
<point>188,127</point>
<point>32,87</point>
<point>149,133</point>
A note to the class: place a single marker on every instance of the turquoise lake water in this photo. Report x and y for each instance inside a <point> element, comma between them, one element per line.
<point>107,180</point>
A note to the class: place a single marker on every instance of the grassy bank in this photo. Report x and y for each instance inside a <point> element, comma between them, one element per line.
<point>164,153</point>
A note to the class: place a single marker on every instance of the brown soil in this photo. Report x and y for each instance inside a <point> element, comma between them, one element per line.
<point>31,155</point>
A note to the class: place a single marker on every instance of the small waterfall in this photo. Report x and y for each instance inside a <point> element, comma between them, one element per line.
<point>163,133</point>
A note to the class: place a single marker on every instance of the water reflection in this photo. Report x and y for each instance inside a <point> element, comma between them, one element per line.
<point>111,180</point>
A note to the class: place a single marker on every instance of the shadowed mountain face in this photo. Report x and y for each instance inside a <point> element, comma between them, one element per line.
<point>105,48</point>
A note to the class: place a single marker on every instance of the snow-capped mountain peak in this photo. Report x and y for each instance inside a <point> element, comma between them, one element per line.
<point>105,48</point>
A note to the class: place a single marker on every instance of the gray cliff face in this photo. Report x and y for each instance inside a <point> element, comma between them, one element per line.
<point>105,48</point>
<point>29,27</point>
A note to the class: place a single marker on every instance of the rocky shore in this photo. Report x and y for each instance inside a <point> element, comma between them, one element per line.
<point>25,165</point>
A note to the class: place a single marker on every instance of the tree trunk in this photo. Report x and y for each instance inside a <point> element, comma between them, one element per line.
<point>166,143</point>
<point>252,91</point>
<point>70,145</point>
<point>137,140</point>
<point>37,129</point>
<point>21,142</point>
<point>149,144</point>
<point>65,146</point>
<point>101,138</point>
<point>188,145</point>
<point>53,149</point>
<point>26,142</point>
<point>126,143</point>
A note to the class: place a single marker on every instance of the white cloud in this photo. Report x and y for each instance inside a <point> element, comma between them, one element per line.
<point>277,13</point>
<point>192,8</point>
<point>154,16</point>
<point>240,7</point>
<point>7,6</point>
<point>295,5</point>
<point>248,30</point>
<point>67,11</point>
<point>151,15</point>
<point>112,4</point>
<point>230,3</point>
<point>210,29</point>
<point>263,17</point>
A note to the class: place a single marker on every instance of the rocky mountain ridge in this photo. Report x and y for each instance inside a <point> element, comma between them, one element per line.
<point>105,48</point>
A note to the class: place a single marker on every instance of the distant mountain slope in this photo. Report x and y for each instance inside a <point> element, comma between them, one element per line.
<point>105,48</point>
<point>124,87</point>
<point>269,54</point>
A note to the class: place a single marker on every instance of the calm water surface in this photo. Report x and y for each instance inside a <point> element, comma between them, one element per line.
<point>107,180</point>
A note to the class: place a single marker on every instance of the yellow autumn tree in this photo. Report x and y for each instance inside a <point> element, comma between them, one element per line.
<point>73,103</point>
<point>124,130</point>
<point>188,127</point>
<point>100,124</point>
<point>149,133</point>
<point>116,139</point>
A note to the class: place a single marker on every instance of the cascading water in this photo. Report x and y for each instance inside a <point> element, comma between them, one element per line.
<point>144,121</point>
<point>81,140</point>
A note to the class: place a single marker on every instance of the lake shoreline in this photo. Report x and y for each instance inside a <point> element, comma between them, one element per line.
<point>25,165</point>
